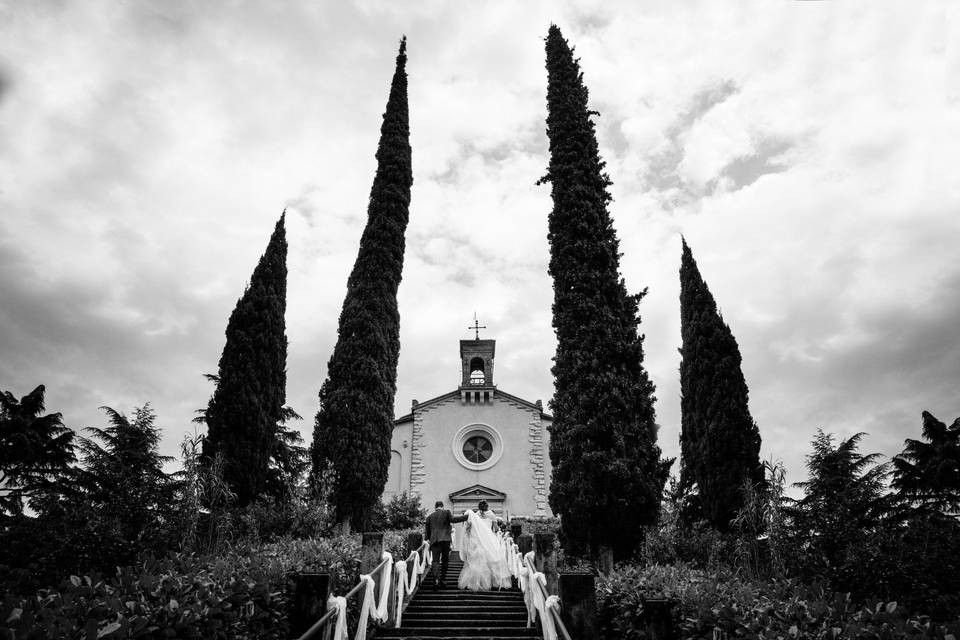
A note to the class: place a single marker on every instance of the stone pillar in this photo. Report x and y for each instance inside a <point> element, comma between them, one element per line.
<point>515,530</point>
<point>546,560</point>
<point>606,560</point>
<point>658,617</point>
<point>578,605</point>
<point>309,601</point>
<point>391,621</point>
<point>525,543</point>
<point>371,552</point>
<point>414,540</point>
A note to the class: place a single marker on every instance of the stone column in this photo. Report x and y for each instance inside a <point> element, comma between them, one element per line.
<point>658,616</point>
<point>578,605</point>
<point>525,543</point>
<point>371,552</point>
<point>605,560</point>
<point>515,530</point>
<point>414,540</point>
<point>546,560</point>
<point>309,601</point>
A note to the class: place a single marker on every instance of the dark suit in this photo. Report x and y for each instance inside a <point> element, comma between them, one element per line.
<point>437,532</point>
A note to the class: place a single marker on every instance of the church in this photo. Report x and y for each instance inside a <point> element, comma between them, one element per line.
<point>476,442</point>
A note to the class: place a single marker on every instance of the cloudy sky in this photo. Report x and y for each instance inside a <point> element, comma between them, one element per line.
<point>808,151</point>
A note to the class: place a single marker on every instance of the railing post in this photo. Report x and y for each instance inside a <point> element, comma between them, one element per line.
<point>392,601</point>
<point>525,544</point>
<point>414,540</point>
<point>546,559</point>
<point>579,608</point>
<point>606,560</point>
<point>309,601</point>
<point>371,552</point>
<point>658,615</point>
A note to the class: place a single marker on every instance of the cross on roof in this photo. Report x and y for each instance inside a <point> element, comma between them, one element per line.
<point>476,326</point>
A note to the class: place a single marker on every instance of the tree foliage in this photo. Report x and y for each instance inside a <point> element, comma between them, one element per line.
<point>927,474</point>
<point>247,407</point>
<point>36,450</point>
<point>125,485</point>
<point>608,476</point>
<point>351,438</point>
<point>719,441</point>
<point>843,502</point>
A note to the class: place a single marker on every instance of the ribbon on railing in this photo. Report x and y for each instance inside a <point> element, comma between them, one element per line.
<point>549,628</point>
<point>372,607</point>
<point>404,584</point>
<point>407,583</point>
<point>339,603</point>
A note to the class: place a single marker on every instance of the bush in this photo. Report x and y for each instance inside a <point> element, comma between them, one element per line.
<point>403,511</point>
<point>530,526</point>
<point>237,594</point>
<point>180,597</point>
<point>725,606</point>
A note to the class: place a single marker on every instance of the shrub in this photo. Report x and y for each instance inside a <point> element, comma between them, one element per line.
<point>403,511</point>
<point>723,605</point>
<point>237,594</point>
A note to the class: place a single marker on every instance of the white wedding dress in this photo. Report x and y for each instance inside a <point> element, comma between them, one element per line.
<point>484,557</point>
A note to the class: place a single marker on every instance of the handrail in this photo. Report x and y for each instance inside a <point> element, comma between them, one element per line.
<point>543,591</point>
<point>560,625</point>
<point>319,624</point>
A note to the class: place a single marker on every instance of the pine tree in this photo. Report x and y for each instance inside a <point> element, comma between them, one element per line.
<point>719,441</point>
<point>927,474</point>
<point>843,502</point>
<point>36,451</point>
<point>608,476</point>
<point>246,409</point>
<point>351,438</point>
<point>126,487</point>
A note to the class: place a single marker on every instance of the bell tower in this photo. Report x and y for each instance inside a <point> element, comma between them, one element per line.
<point>476,363</point>
<point>476,367</point>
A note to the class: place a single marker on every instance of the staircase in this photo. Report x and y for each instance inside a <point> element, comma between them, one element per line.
<point>463,615</point>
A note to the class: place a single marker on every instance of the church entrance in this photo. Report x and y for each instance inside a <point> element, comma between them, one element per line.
<point>469,498</point>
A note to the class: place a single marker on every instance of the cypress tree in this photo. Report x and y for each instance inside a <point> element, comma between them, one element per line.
<point>719,441</point>
<point>608,476</point>
<point>351,437</point>
<point>246,409</point>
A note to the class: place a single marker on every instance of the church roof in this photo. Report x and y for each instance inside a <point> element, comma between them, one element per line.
<point>456,394</point>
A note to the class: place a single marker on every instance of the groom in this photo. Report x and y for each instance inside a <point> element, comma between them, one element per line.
<point>438,527</point>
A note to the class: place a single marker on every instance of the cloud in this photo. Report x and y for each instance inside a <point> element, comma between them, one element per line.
<point>800,148</point>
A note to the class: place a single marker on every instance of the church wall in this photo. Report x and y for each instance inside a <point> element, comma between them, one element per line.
<point>522,471</point>
<point>400,460</point>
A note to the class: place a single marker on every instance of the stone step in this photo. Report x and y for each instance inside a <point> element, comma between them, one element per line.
<point>461,611</point>
<point>460,632</point>
<point>488,619</point>
<point>465,601</point>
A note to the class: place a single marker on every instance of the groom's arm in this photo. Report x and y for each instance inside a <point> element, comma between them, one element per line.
<point>426,531</point>
<point>462,518</point>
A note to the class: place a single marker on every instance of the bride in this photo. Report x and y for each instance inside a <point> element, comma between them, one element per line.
<point>483,555</point>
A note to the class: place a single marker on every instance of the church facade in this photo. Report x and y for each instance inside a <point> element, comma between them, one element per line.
<point>474,443</point>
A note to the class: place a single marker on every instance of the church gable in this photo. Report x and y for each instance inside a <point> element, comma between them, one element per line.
<point>477,493</point>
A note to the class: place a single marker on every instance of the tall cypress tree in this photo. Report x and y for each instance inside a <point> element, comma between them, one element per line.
<point>351,437</point>
<point>246,408</point>
<point>608,476</point>
<point>719,441</point>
